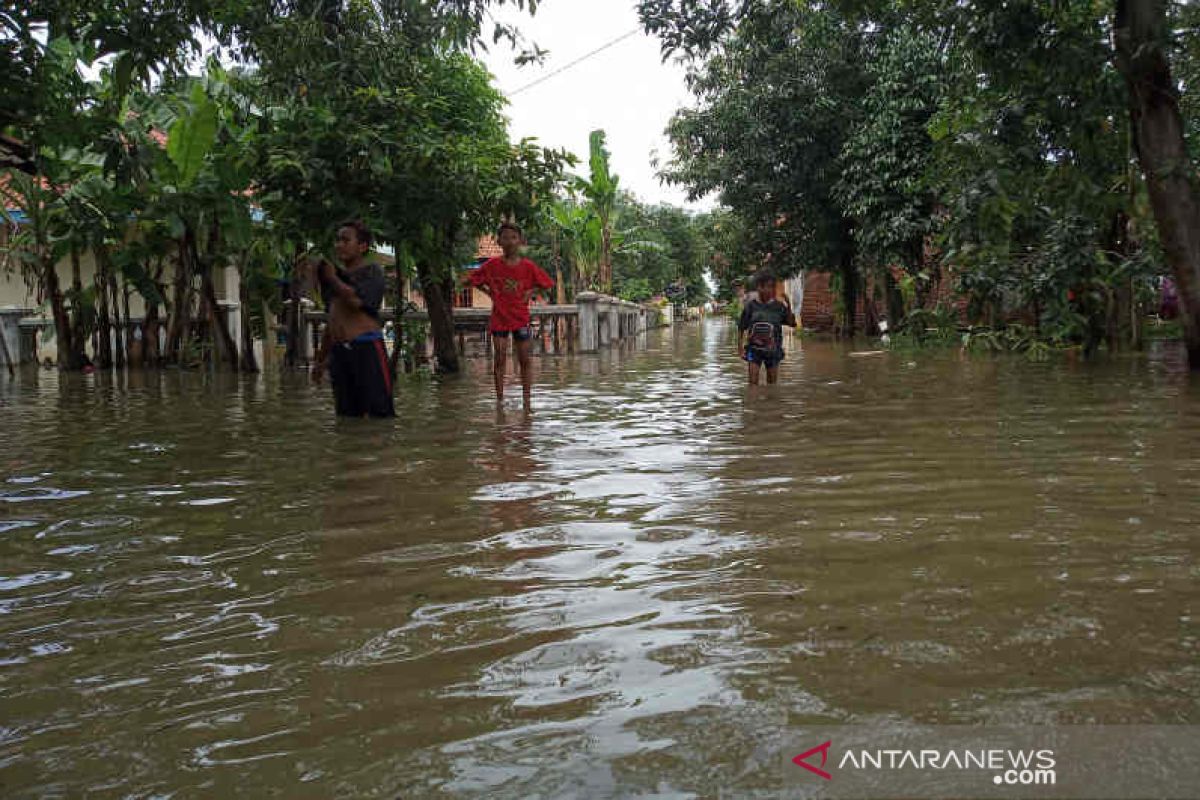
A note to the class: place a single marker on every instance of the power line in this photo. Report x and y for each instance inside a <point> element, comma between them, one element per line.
<point>579,60</point>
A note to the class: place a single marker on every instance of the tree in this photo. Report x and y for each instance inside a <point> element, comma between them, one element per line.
<point>885,162</point>
<point>978,137</point>
<point>1031,165</point>
<point>778,97</point>
<point>366,121</point>
<point>600,190</point>
<point>663,252</point>
<point>48,112</point>
<point>1157,127</point>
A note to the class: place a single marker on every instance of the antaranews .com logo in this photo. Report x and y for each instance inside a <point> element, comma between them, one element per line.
<point>1007,767</point>
<point>1086,761</point>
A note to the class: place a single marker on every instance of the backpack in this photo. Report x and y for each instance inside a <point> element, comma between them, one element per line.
<point>762,337</point>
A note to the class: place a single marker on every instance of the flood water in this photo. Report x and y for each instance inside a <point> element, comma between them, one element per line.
<point>208,586</point>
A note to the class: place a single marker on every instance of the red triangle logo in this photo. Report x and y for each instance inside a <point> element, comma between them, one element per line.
<point>823,749</point>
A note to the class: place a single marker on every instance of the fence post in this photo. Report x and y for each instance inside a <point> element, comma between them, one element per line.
<point>606,326</point>
<point>10,336</point>
<point>305,349</point>
<point>589,321</point>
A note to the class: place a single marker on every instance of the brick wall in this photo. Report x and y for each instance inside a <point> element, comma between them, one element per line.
<point>817,310</point>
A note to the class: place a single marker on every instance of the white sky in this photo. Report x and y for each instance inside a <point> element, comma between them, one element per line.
<point>627,90</point>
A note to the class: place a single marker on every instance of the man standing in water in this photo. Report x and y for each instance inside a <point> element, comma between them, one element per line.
<point>353,341</point>
<point>511,281</point>
<point>760,329</point>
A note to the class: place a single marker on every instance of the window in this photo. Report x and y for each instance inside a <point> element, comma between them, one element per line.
<point>464,298</point>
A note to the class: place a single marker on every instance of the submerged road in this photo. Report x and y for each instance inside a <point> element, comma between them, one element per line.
<point>209,586</point>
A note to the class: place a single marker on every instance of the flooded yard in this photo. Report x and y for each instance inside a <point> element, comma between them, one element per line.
<point>208,585</point>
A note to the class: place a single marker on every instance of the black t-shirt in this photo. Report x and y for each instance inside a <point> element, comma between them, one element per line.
<point>368,283</point>
<point>775,313</point>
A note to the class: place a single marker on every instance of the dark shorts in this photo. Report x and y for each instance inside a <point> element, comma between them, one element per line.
<point>768,358</point>
<point>362,382</point>
<point>520,334</point>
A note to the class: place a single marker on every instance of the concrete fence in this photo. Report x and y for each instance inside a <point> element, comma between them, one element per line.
<point>595,321</point>
<point>13,344</point>
<point>604,320</point>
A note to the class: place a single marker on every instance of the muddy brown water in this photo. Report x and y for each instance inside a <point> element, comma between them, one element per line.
<point>207,586</point>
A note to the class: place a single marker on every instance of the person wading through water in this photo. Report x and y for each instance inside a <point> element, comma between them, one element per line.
<point>760,329</point>
<point>353,341</point>
<point>511,281</point>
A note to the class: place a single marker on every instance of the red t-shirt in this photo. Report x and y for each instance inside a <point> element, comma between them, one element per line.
<point>511,287</point>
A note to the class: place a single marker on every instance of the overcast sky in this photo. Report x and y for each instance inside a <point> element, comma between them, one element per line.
<point>627,90</point>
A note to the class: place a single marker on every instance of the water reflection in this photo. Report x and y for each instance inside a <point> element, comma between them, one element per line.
<point>209,584</point>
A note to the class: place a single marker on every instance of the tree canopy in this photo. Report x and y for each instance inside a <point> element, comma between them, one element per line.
<point>332,110</point>
<point>985,142</point>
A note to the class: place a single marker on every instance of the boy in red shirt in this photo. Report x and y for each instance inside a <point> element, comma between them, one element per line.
<point>511,281</point>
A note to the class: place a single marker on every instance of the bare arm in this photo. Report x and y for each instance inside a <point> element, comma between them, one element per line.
<point>341,290</point>
<point>743,330</point>
<point>791,319</point>
<point>478,280</point>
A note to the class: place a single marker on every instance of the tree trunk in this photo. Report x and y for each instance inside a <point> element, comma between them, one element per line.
<point>150,328</point>
<point>398,301</point>
<point>125,326</point>
<point>120,331</point>
<point>224,347</point>
<point>560,291</point>
<point>1157,130</point>
<point>849,294</point>
<point>74,347</point>
<point>58,307</point>
<point>895,300</point>
<point>152,323</point>
<point>181,300</point>
<point>606,284</point>
<point>441,318</point>
<point>223,343</point>
<point>104,358</point>
<point>248,362</point>
<point>269,334</point>
<point>870,316</point>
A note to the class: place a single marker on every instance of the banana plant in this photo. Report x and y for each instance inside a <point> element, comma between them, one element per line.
<point>600,191</point>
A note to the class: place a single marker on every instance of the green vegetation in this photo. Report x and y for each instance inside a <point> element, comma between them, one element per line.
<point>1039,157</point>
<point>333,110</point>
<point>599,238</point>
<point>1029,153</point>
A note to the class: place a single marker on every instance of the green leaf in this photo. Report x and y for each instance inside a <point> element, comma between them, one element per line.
<point>192,137</point>
<point>123,74</point>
